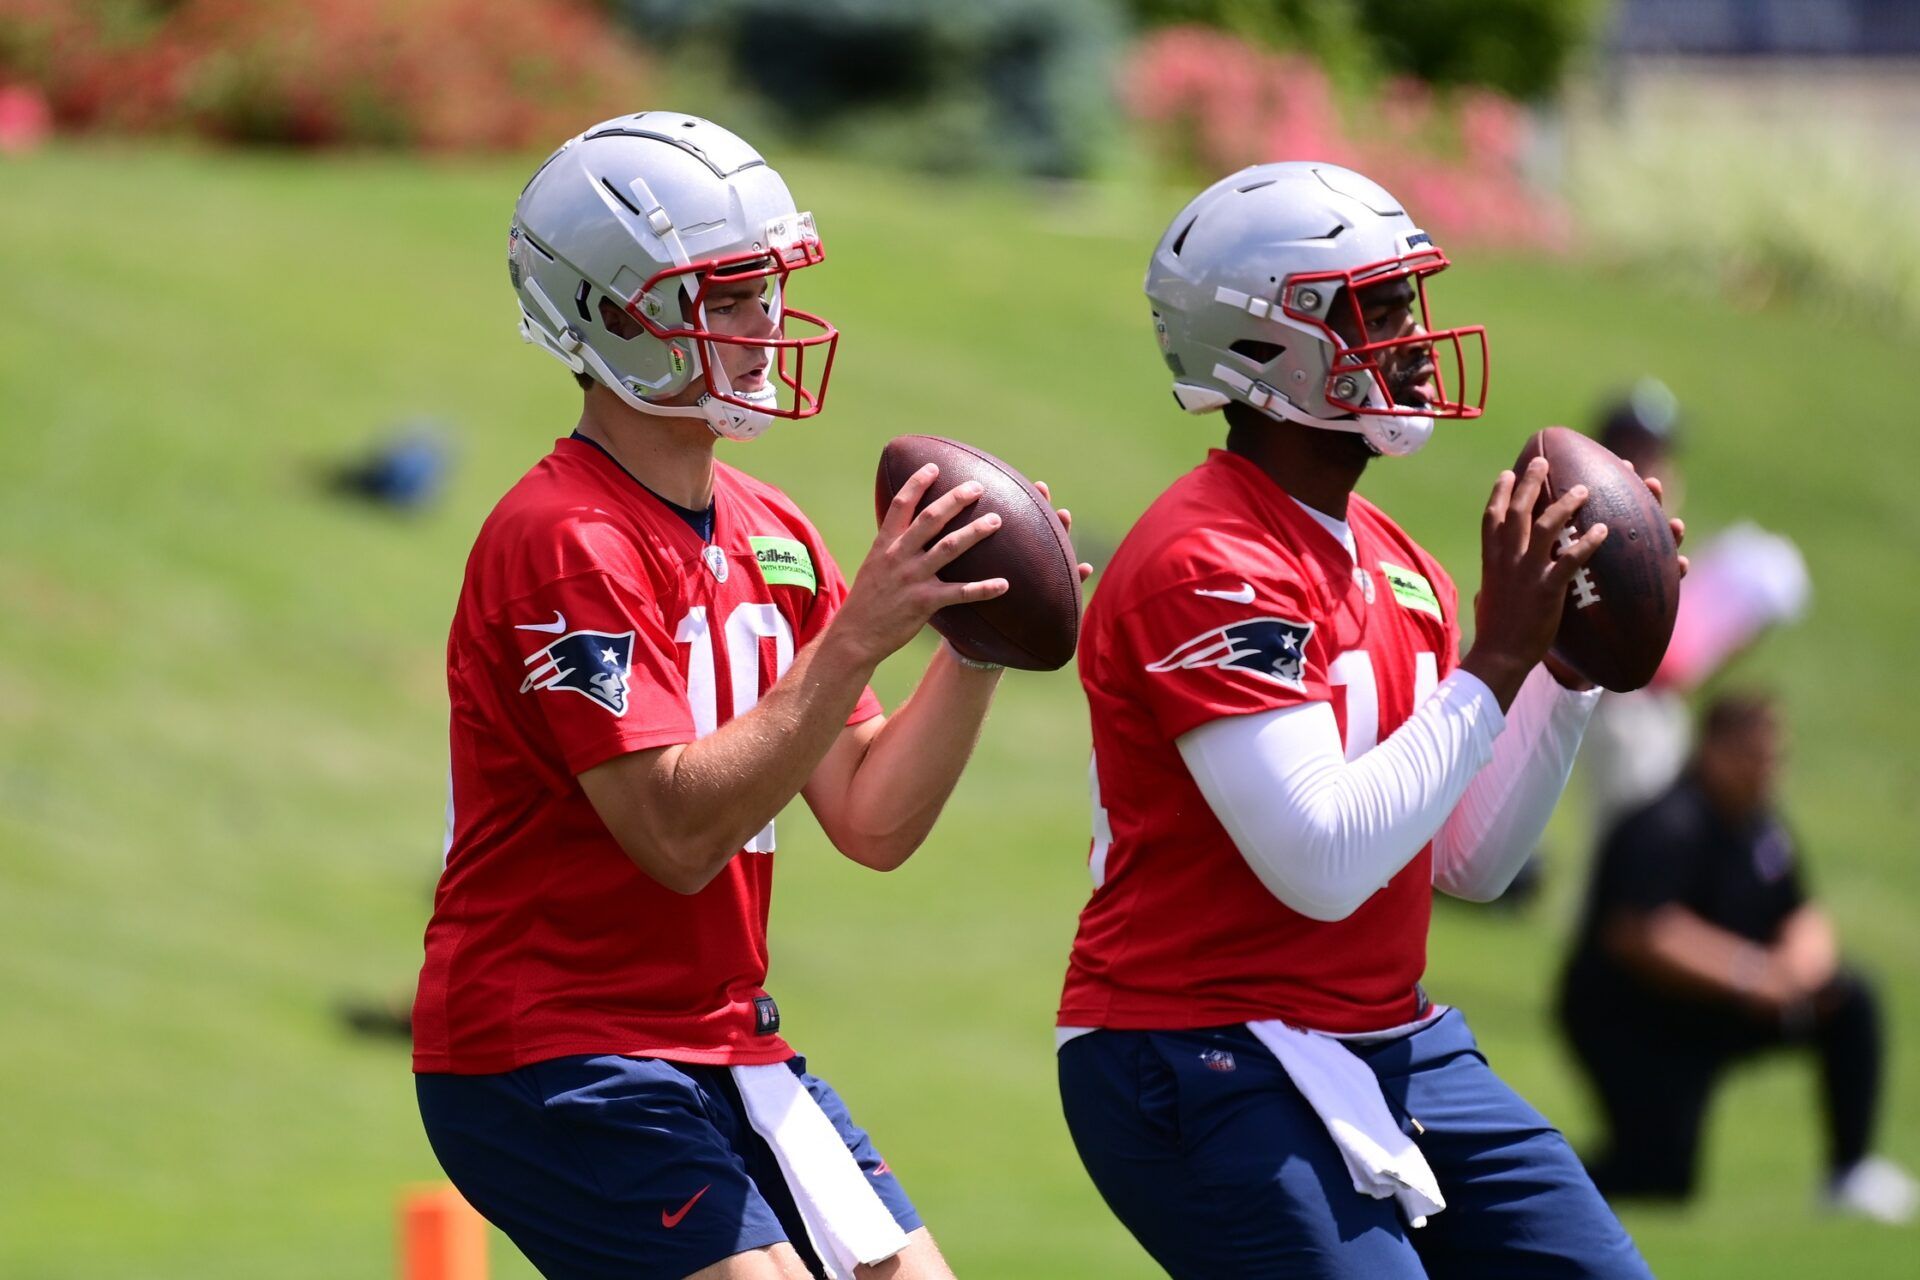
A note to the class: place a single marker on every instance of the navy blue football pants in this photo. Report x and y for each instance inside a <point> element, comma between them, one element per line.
<point>1204,1148</point>
<point>614,1168</point>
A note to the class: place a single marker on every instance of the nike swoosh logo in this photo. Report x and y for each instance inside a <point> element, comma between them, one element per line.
<point>559,623</point>
<point>1243,596</point>
<point>672,1220</point>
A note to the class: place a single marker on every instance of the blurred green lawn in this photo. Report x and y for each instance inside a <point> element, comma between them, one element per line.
<point>221,699</point>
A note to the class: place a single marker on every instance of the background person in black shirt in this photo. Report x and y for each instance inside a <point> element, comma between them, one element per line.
<point>1699,948</point>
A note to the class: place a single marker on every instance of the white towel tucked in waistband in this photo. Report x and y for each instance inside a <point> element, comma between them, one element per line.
<point>846,1219</point>
<point>1345,1094</point>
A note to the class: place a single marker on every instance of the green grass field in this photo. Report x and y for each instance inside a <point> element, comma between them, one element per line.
<point>222,737</point>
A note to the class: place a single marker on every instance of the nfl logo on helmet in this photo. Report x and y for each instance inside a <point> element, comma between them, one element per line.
<point>592,663</point>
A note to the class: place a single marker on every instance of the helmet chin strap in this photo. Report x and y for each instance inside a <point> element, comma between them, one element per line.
<point>727,421</point>
<point>1394,435</point>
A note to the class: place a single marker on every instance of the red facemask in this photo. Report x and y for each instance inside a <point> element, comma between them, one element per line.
<point>1357,370</point>
<point>793,244</point>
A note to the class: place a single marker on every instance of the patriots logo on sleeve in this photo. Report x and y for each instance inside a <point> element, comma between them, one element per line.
<point>1271,648</point>
<point>591,663</point>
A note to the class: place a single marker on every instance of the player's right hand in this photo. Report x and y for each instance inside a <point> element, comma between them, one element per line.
<point>1523,583</point>
<point>897,588</point>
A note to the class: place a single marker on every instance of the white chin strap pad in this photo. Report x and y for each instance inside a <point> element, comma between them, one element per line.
<point>1395,435</point>
<point>728,421</point>
<point>731,422</point>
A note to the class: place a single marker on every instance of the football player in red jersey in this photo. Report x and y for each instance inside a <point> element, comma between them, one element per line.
<point>652,654</point>
<point>1289,759</point>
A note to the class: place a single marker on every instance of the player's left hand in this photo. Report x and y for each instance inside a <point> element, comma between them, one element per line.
<point>1066,521</point>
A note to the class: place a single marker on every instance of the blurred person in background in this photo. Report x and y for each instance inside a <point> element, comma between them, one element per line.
<point>1702,948</point>
<point>652,655</point>
<point>1290,758</point>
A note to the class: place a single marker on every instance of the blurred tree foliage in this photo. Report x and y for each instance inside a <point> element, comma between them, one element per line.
<point>1022,85</point>
<point>1523,48</point>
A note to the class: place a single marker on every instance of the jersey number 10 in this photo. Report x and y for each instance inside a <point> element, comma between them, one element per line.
<point>745,628</point>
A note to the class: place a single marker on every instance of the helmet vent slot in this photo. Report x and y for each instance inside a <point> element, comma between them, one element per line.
<point>1262,353</point>
<point>1255,186</point>
<point>1180,241</point>
<point>617,322</point>
<point>580,300</point>
<point>615,193</point>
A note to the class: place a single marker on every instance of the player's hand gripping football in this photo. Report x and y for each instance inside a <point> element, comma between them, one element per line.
<point>1523,584</point>
<point>1565,674</point>
<point>897,588</point>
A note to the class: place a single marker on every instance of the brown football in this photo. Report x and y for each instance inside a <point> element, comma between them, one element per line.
<point>1036,624</point>
<point>1619,613</point>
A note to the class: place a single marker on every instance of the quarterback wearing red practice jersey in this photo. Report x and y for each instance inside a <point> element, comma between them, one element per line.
<point>1229,598</point>
<point>1289,758</point>
<point>595,622</point>
<point>652,655</point>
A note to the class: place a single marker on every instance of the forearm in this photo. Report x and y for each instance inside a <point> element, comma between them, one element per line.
<point>902,782</point>
<point>1497,824</point>
<point>1675,948</point>
<point>1807,949</point>
<point>1324,834</point>
<point>686,812</point>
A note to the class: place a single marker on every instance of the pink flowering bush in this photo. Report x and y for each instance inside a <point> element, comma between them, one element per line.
<point>25,119</point>
<point>439,74</point>
<point>1211,101</point>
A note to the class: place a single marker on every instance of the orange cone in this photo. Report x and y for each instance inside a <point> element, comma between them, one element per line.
<point>441,1237</point>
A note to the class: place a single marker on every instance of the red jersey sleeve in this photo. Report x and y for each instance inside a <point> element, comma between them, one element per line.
<point>600,668</point>
<point>1232,635</point>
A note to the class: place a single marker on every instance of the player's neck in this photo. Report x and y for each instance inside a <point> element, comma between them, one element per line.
<point>1319,468</point>
<point>671,456</point>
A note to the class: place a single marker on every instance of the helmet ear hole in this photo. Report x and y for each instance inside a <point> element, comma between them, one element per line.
<point>618,322</point>
<point>1261,353</point>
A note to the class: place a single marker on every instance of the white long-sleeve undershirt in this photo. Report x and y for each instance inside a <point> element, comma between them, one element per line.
<point>1324,834</point>
<point>1497,824</point>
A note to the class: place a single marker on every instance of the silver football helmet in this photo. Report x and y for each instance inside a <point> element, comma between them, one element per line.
<point>1245,280</point>
<point>645,213</point>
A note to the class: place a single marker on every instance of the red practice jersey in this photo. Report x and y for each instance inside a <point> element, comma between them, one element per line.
<point>594,621</point>
<point>1226,599</point>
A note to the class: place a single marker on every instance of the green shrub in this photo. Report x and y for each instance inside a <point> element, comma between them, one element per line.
<point>1021,85</point>
<point>438,74</point>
